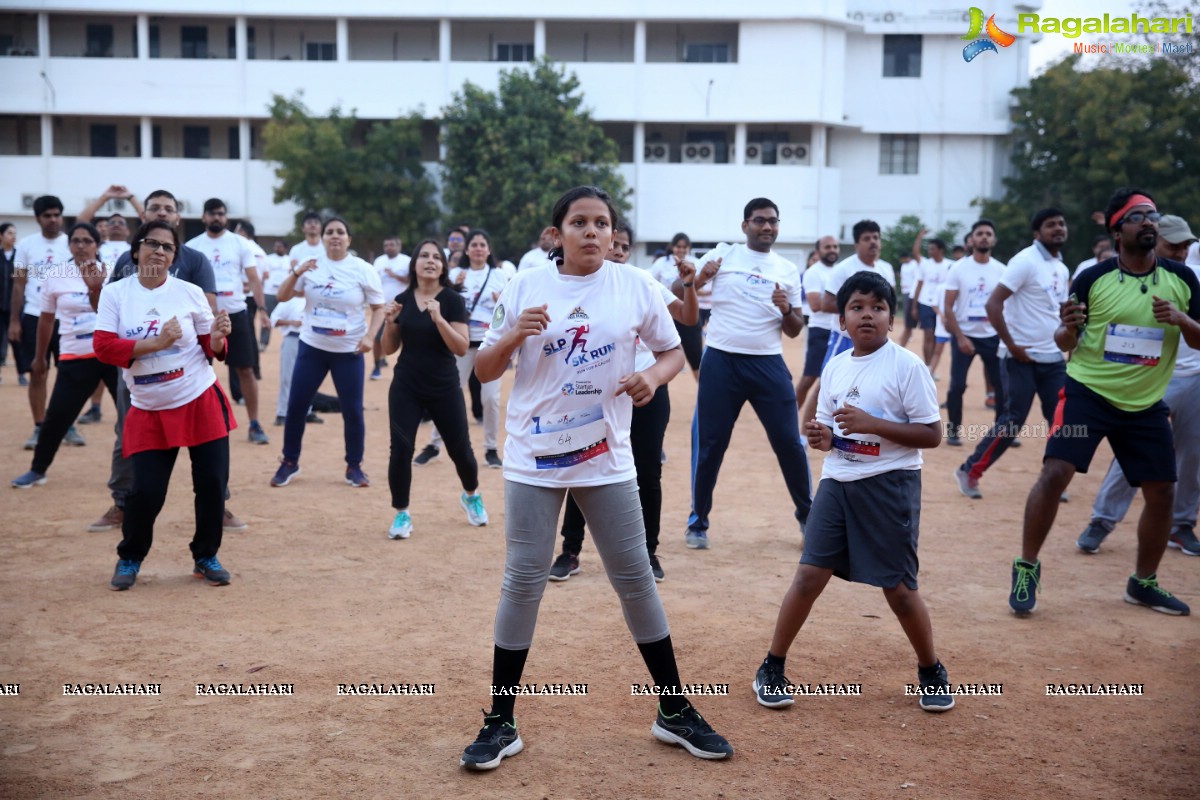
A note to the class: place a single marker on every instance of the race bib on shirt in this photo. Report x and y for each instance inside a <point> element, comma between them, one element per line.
<point>977,305</point>
<point>564,440</point>
<point>329,321</point>
<point>1133,344</point>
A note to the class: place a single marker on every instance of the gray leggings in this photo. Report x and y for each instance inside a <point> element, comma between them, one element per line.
<point>614,518</point>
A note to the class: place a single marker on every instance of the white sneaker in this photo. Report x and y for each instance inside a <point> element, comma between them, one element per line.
<point>401,526</point>
<point>473,505</point>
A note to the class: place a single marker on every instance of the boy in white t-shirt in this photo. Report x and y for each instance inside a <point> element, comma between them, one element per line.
<point>877,409</point>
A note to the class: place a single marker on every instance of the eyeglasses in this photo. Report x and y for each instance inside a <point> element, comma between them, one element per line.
<point>82,242</point>
<point>1138,217</point>
<point>761,221</point>
<point>154,244</point>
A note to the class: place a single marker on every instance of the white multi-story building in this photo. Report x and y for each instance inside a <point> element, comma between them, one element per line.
<point>835,109</point>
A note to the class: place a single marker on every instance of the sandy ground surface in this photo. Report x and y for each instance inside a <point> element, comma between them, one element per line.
<point>320,596</point>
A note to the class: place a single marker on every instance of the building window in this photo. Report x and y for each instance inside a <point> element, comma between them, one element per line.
<point>156,141</point>
<point>104,141</point>
<point>706,53</point>
<point>509,51</point>
<point>193,41</point>
<point>320,51</point>
<point>898,153</point>
<point>99,41</point>
<point>195,142</point>
<point>235,144</point>
<point>901,56</point>
<point>155,43</point>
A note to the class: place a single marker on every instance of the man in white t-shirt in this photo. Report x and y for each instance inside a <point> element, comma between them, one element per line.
<point>1024,310</point>
<point>392,267</point>
<point>33,259</point>
<point>908,284</point>
<point>820,322</point>
<point>540,255</point>
<point>118,241</point>
<point>931,273</point>
<point>867,244</point>
<point>756,295</point>
<point>275,269</point>
<point>1102,248</point>
<point>233,264</point>
<point>968,285</point>
<point>312,246</point>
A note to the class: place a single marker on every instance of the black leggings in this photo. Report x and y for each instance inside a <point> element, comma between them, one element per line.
<point>692,339</point>
<point>77,379</point>
<point>151,477</point>
<point>646,433</point>
<point>449,414</point>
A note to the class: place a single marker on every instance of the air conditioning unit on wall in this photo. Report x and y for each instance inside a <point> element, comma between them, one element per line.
<point>793,154</point>
<point>656,153</point>
<point>754,154</point>
<point>700,153</point>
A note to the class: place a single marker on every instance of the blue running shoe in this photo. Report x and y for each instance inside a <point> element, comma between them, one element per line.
<point>125,574</point>
<point>29,479</point>
<point>696,540</point>
<point>211,571</point>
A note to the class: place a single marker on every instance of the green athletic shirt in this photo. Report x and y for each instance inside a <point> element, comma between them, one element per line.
<point>1123,354</point>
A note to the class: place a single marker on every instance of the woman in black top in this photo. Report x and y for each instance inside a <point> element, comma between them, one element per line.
<point>429,320</point>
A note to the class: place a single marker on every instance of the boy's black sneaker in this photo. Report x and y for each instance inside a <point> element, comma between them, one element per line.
<point>690,731</point>
<point>497,740</point>
<point>935,688</point>
<point>770,686</point>
<point>566,565</point>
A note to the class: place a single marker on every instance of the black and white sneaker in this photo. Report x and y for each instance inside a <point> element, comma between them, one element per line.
<point>493,459</point>
<point>656,569</point>
<point>690,731</point>
<point>429,454</point>
<point>566,565</point>
<point>497,740</point>
<point>770,686</point>
<point>935,688</point>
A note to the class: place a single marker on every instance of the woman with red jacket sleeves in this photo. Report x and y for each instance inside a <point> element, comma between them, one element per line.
<point>162,332</point>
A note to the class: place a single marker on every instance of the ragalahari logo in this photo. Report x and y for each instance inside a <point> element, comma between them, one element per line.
<point>993,36</point>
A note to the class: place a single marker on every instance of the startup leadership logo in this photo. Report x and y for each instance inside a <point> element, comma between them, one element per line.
<point>992,36</point>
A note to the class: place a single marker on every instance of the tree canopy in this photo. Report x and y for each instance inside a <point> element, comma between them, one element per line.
<point>898,240</point>
<point>368,172</point>
<point>1079,134</point>
<point>511,153</point>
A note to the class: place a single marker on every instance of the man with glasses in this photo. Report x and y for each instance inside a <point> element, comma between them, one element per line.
<point>191,266</point>
<point>1122,325</point>
<point>755,295</point>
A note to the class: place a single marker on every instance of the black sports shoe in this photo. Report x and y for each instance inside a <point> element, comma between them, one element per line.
<point>690,731</point>
<point>493,459</point>
<point>497,740</point>
<point>935,688</point>
<point>566,565</point>
<point>770,686</point>
<point>430,453</point>
<point>125,575</point>
<point>656,569</point>
<point>211,571</point>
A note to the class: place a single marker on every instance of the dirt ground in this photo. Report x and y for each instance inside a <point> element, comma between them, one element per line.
<point>320,596</point>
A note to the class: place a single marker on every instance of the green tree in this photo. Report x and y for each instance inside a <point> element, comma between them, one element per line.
<point>511,153</point>
<point>898,239</point>
<point>1080,134</point>
<point>368,172</point>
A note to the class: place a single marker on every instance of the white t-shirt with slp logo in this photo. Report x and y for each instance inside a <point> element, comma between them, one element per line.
<point>336,295</point>
<point>1039,286</point>
<point>39,257</point>
<point>931,274</point>
<point>480,289</point>
<point>974,283</point>
<point>302,251</point>
<point>815,279</point>
<point>566,426</point>
<point>844,269</point>
<point>168,378</point>
<point>230,256</point>
<point>744,319</point>
<point>65,295</point>
<point>892,384</point>
<point>399,265</point>
<point>111,251</point>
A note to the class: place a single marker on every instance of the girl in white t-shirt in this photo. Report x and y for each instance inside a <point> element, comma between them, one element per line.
<point>575,326</point>
<point>666,271</point>
<point>162,331</point>
<point>66,296</point>
<point>338,290</point>
<point>481,283</point>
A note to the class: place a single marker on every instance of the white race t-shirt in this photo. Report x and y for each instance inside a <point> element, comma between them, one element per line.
<point>399,265</point>
<point>260,264</point>
<point>289,311</point>
<point>1193,256</point>
<point>974,283</point>
<point>931,274</point>
<point>815,280</point>
<point>841,272</point>
<point>892,384</point>
<point>1187,360</point>
<point>168,378</point>
<point>230,256</point>
<point>277,267</point>
<point>1039,286</point>
<point>480,291</point>
<point>908,277</point>
<point>566,426</point>
<point>537,257</point>
<point>336,294</point>
<point>645,356</point>
<point>65,295</point>
<point>111,251</point>
<point>744,320</point>
<point>1091,262</point>
<point>939,325</point>
<point>39,257</point>
<point>302,251</point>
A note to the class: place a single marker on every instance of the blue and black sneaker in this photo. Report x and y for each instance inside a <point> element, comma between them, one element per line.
<point>125,574</point>
<point>935,688</point>
<point>1147,592</point>
<point>497,740</point>
<point>690,731</point>
<point>1026,580</point>
<point>211,571</point>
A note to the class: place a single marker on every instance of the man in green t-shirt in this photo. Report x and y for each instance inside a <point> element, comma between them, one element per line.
<point>1122,324</point>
